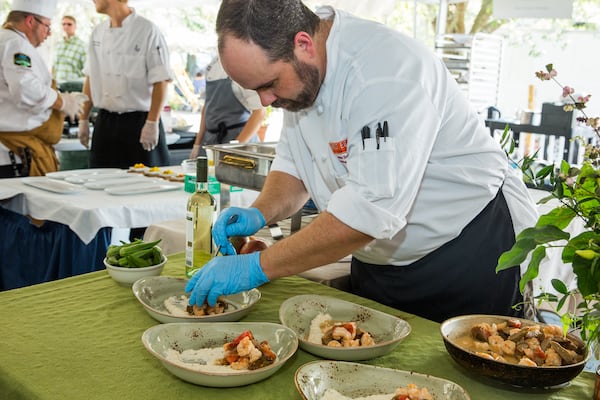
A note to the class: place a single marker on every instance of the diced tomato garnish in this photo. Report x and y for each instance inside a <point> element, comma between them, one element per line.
<point>238,339</point>
<point>349,327</point>
<point>539,353</point>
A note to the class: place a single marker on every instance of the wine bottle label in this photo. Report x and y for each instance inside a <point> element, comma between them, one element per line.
<point>189,239</point>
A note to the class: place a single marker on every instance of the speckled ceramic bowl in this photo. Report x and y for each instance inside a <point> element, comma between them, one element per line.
<point>388,331</point>
<point>152,292</point>
<point>517,375</point>
<point>160,339</point>
<point>359,380</point>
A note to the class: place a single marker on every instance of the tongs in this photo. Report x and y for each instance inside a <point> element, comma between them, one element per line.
<point>233,219</point>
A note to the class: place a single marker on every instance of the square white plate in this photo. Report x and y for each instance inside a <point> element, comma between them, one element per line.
<point>89,172</point>
<point>125,181</point>
<point>51,185</point>
<point>142,188</point>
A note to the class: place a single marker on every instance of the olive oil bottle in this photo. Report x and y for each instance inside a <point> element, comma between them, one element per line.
<point>201,208</point>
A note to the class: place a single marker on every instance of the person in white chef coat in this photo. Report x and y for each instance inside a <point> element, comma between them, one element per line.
<point>127,76</point>
<point>32,109</point>
<point>378,134</point>
<point>229,113</point>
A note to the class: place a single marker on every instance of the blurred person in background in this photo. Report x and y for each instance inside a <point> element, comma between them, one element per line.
<point>230,112</point>
<point>69,59</point>
<point>199,84</point>
<point>127,75</point>
<point>32,110</point>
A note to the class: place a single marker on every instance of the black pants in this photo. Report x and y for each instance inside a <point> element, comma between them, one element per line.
<point>458,278</point>
<point>116,142</point>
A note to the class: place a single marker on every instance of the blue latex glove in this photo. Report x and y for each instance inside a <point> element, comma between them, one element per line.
<point>225,275</point>
<point>235,221</point>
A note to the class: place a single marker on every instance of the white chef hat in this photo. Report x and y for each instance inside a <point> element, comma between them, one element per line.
<point>44,8</point>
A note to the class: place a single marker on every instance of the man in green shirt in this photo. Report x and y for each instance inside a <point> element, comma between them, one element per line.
<point>70,53</point>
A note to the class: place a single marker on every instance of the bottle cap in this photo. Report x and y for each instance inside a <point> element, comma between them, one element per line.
<point>201,169</point>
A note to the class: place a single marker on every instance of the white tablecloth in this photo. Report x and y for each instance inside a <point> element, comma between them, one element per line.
<point>88,211</point>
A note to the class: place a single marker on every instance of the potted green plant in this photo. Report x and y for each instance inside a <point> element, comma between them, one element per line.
<point>577,188</point>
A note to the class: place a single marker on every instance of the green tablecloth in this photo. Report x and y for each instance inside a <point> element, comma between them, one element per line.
<point>79,338</point>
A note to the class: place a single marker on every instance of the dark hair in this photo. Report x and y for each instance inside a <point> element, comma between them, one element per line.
<point>271,24</point>
<point>14,17</point>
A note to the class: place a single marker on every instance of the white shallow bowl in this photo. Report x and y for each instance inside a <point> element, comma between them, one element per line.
<point>152,291</point>
<point>388,331</point>
<point>355,380</point>
<point>182,336</point>
<point>127,276</point>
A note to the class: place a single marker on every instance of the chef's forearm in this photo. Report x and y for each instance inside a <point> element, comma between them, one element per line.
<point>254,122</point>
<point>58,103</point>
<point>325,240</point>
<point>280,197</point>
<point>87,106</point>
<point>202,131</point>
<point>159,96</point>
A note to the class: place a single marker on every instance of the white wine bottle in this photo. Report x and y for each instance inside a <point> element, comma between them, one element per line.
<point>201,208</point>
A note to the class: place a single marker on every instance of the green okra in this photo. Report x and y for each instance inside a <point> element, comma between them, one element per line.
<point>126,250</point>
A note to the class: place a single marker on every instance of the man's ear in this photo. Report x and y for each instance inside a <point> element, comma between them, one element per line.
<point>304,46</point>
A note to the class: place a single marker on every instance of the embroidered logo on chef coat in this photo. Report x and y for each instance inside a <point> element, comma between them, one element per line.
<point>22,60</point>
<point>340,149</point>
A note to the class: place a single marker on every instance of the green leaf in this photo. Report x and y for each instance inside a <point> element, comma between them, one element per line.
<point>543,233</point>
<point>533,268</point>
<point>584,240</point>
<point>559,217</point>
<point>561,303</point>
<point>587,281</point>
<point>544,172</point>
<point>564,167</point>
<point>559,286</point>
<point>516,255</point>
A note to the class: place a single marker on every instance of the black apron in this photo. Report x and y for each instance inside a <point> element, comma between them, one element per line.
<point>116,141</point>
<point>456,279</point>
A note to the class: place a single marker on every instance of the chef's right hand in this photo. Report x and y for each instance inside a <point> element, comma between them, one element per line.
<point>149,135</point>
<point>195,151</point>
<point>83,132</point>
<point>235,221</point>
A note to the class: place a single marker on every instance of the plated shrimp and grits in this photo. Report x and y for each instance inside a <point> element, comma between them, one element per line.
<point>326,331</point>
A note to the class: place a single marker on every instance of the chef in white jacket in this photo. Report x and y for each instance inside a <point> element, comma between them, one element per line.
<point>32,109</point>
<point>377,133</point>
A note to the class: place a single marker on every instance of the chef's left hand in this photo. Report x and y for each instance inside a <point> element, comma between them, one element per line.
<point>149,135</point>
<point>225,275</point>
<point>72,104</point>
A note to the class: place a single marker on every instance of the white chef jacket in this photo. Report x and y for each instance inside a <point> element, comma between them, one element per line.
<point>435,172</point>
<point>26,95</point>
<point>124,62</point>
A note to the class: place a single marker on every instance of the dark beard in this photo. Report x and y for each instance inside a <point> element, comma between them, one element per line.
<point>309,75</point>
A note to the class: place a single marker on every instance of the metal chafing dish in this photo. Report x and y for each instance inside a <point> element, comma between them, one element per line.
<point>244,165</point>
